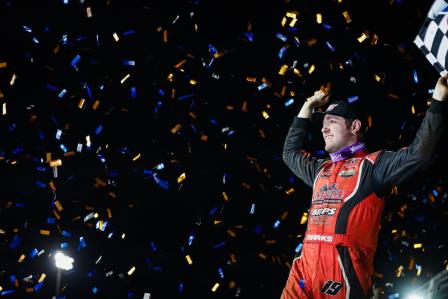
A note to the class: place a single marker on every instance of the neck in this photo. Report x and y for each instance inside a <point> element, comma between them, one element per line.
<point>348,152</point>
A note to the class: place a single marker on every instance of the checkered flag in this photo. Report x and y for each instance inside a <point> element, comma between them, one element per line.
<point>432,38</point>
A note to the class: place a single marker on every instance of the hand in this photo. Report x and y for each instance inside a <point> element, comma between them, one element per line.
<point>441,89</point>
<point>319,98</point>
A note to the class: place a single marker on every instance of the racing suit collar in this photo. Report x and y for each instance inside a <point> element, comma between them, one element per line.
<point>348,152</point>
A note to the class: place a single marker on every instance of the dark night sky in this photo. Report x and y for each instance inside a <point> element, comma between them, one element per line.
<point>195,104</point>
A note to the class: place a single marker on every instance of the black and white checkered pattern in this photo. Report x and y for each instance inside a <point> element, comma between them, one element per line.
<point>432,38</point>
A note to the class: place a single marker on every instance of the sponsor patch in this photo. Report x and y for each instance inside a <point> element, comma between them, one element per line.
<point>347,173</point>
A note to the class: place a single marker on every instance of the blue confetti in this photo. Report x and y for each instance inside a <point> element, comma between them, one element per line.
<point>94,290</point>
<point>276,224</point>
<point>212,49</point>
<point>34,252</point>
<point>17,150</point>
<point>15,242</point>
<point>133,92</point>
<point>221,272</point>
<point>330,46</point>
<point>184,97</point>
<point>75,61</point>
<point>414,73</point>
<point>326,26</point>
<point>190,239</point>
<point>129,32</point>
<point>262,86</point>
<point>27,29</point>
<point>289,102</point>
<point>302,283</point>
<point>213,211</point>
<point>282,52</point>
<point>51,220</point>
<point>63,148</point>
<point>7,292</point>
<point>353,99</point>
<point>250,36</point>
<point>393,296</point>
<point>298,248</point>
<point>281,37</point>
<point>153,246</point>
<point>99,129</point>
<point>38,286</point>
<point>219,245</point>
<point>62,93</point>
<point>41,184</point>
<point>66,234</point>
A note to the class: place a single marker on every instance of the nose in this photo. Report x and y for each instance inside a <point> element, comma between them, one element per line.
<point>324,129</point>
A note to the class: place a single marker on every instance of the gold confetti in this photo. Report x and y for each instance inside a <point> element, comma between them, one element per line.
<point>132,270</point>
<point>96,104</point>
<point>3,65</point>
<point>179,64</point>
<point>347,17</point>
<point>89,12</point>
<point>21,258</point>
<point>56,163</point>
<point>136,157</point>
<point>4,109</point>
<point>399,271</point>
<point>42,277</point>
<point>312,68</point>
<point>289,191</point>
<point>176,128</point>
<point>224,194</point>
<point>304,218</point>
<point>115,35</point>
<point>125,78</point>
<point>418,245</point>
<point>45,232</point>
<point>283,69</point>
<point>189,261</point>
<point>319,18</point>
<point>362,37</point>
<point>165,36</point>
<point>262,255</point>
<point>181,178</point>
<point>265,114</point>
<point>58,206</point>
<point>231,233</point>
<point>81,103</point>
<point>215,287</point>
<point>193,82</point>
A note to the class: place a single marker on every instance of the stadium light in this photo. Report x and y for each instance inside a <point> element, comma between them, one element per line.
<point>63,262</point>
<point>414,296</point>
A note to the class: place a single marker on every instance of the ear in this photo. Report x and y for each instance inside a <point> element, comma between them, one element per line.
<point>356,127</point>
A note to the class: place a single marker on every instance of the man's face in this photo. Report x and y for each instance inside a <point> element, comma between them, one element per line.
<point>336,134</point>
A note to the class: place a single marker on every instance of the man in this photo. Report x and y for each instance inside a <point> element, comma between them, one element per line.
<point>348,191</point>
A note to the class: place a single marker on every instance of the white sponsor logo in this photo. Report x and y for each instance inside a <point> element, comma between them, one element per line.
<point>323,211</point>
<point>355,148</point>
<point>319,238</point>
<point>331,107</point>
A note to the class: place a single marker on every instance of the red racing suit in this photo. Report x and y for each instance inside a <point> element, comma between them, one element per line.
<point>345,214</point>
